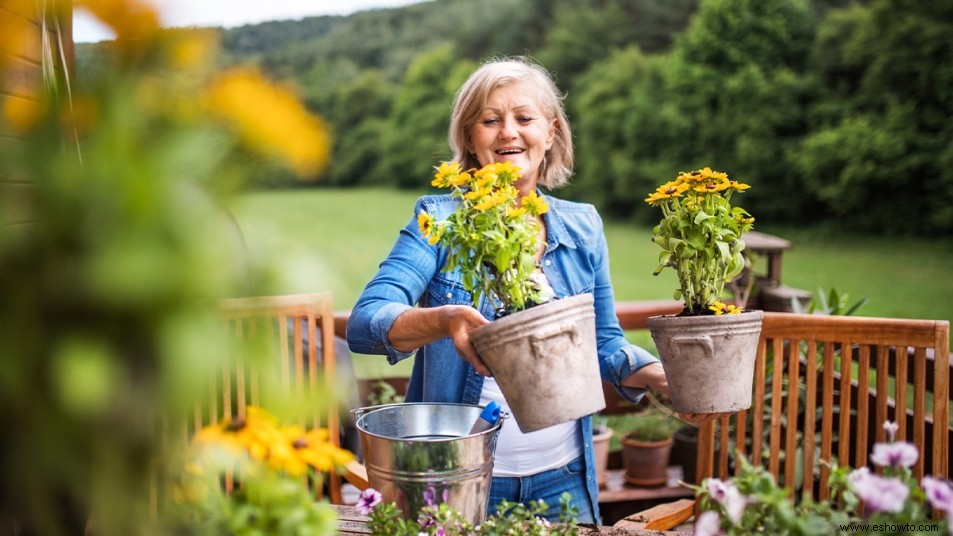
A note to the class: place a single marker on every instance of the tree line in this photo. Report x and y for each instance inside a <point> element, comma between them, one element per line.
<point>835,112</point>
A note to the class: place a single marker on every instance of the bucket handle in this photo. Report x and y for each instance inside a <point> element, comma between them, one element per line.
<point>357,412</point>
<point>703,341</point>
<point>536,340</point>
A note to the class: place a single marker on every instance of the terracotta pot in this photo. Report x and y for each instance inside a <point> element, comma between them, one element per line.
<point>708,360</point>
<point>546,361</point>
<point>646,462</point>
<point>600,450</point>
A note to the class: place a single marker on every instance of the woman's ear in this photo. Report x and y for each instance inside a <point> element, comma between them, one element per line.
<point>553,123</point>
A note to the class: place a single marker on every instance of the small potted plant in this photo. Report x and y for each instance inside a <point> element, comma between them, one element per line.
<point>708,350</point>
<point>491,238</point>
<point>647,446</point>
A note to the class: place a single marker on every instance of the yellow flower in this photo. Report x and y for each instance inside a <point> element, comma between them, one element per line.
<point>270,119</point>
<point>510,168</point>
<point>314,449</point>
<point>720,308</point>
<point>739,186</point>
<point>460,179</point>
<point>515,212</point>
<point>473,195</point>
<point>535,204</point>
<point>290,449</point>
<point>194,48</point>
<point>446,172</point>
<point>667,191</point>
<point>489,201</point>
<point>22,114</point>
<point>436,236</point>
<point>128,18</point>
<point>688,178</point>
<point>283,457</point>
<point>425,223</point>
<point>485,181</point>
<point>485,170</point>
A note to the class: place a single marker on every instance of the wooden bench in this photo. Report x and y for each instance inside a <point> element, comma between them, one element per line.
<point>852,373</point>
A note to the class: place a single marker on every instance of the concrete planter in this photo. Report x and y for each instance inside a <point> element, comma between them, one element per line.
<point>708,360</point>
<point>545,361</point>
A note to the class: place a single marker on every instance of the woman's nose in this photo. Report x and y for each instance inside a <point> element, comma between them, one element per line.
<point>508,129</point>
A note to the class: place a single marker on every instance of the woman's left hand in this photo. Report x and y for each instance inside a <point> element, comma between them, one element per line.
<point>651,376</point>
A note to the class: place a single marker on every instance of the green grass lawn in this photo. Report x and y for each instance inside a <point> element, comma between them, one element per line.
<point>334,239</point>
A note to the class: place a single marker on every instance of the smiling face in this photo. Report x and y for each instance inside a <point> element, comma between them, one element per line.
<point>512,126</point>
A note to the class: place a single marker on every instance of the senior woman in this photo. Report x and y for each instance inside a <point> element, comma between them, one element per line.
<point>508,109</point>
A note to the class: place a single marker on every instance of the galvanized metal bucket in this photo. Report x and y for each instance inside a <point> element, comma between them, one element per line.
<point>418,454</point>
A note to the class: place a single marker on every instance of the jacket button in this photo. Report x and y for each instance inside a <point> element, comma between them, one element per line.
<point>449,295</point>
<point>548,262</point>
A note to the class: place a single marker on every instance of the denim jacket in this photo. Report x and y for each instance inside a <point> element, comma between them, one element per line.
<point>576,261</point>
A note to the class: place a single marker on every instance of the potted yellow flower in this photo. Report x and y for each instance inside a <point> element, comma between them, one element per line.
<point>491,238</point>
<point>708,350</point>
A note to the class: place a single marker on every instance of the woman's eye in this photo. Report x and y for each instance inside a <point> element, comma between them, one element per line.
<point>524,120</point>
<point>491,122</point>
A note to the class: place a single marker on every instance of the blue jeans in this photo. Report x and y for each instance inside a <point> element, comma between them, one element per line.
<point>548,486</point>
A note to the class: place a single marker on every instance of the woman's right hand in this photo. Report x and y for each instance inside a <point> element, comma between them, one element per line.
<point>461,320</point>
<point>420,326</point>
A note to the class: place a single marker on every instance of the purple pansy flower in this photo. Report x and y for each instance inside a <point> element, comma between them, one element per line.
<point>901,454</point>
<point>368,500</point>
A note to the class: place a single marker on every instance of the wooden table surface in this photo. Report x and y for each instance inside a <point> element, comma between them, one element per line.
<point>350,521</point>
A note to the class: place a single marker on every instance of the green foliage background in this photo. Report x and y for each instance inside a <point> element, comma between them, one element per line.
<point>835,111</point>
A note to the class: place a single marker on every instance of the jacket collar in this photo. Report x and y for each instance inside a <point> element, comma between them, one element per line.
<point>556,232</point>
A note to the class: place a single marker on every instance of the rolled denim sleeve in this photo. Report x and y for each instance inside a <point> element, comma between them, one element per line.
<point>400,281</point>
<point>618,358</point>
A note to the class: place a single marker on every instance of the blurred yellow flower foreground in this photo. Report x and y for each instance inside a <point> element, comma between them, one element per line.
<point>113,251</point>
<point>273,469</point>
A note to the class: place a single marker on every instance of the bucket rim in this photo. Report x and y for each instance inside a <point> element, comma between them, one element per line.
<point>361,429</point>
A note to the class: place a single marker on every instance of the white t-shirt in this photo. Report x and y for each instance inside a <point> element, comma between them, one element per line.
<point>519,454</point>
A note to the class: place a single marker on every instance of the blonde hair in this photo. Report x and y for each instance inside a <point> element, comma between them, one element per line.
<point>471,99</point>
